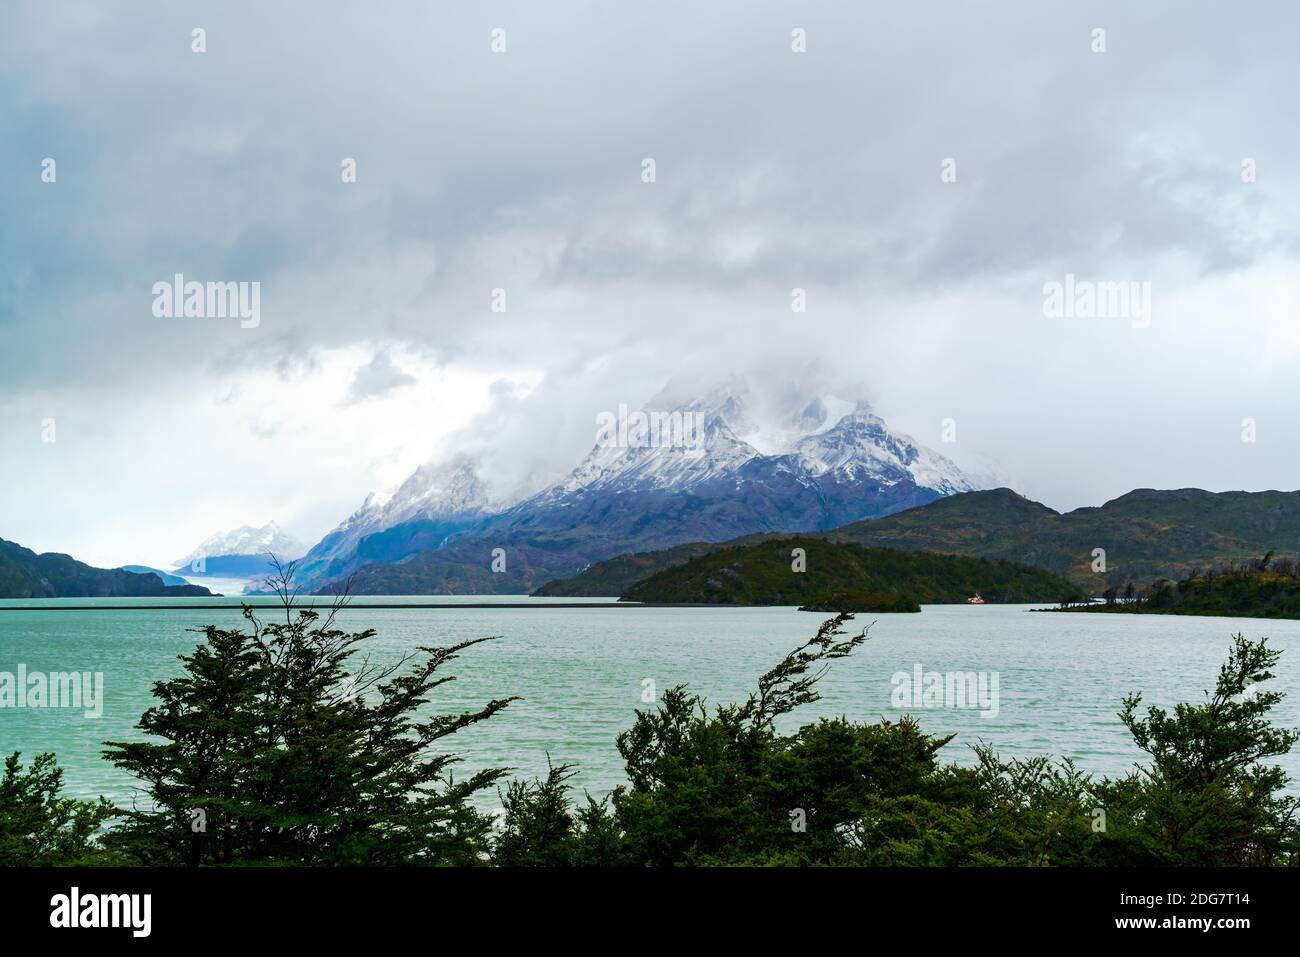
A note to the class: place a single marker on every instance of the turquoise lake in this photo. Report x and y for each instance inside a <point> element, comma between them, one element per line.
<point>582,672</point>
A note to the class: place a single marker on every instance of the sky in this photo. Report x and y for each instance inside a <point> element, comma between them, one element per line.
<point>923,172</point>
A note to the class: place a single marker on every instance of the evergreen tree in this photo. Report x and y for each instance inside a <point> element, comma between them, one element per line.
<point>268,749</point>
<point>1210,798</point>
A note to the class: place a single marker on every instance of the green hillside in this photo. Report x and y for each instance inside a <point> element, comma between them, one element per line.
<point>844,577</point>
<point>614,576</point>
<point>1146,534</point>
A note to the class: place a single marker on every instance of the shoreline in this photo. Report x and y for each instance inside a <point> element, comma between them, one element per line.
<point>472,605</point>
<point>389,606</point>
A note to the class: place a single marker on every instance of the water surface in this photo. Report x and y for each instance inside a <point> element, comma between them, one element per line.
<point>583,671</point>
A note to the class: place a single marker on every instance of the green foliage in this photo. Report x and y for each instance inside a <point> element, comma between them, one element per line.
<point>1149,534</point>
<point>540,829</point>
<point>1263,588</point>
<point>845,577</point>
<point>39,827</point>
<point>725,788</point>
<point>288,752</point>
<point>296,753</point>
<point>538,822</point>
<point>1212,800</point>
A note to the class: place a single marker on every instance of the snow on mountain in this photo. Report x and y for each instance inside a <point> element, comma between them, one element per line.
<point>726,429</point>
<point>662,447</point>
<point>859,446</point>
<point>783,460</point>
<point>247,540</point>
<point>451,491</point>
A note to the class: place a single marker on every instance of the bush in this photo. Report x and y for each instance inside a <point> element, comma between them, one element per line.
<point>38,827</point>
<point>727,789</point>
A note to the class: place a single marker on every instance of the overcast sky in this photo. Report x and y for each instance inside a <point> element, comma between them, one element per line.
<point>378,349</point>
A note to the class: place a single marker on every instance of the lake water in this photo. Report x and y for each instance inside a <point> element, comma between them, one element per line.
<point>583,671</point>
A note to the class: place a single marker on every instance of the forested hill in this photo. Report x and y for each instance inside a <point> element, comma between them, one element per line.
<point>1146,535</point>
<point>25,574</point>
<point>845,577</point>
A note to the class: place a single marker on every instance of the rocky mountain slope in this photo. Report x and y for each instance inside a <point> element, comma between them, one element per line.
<point>708,468</point>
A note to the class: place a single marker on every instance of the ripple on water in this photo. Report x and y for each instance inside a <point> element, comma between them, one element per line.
<point>583,672</point>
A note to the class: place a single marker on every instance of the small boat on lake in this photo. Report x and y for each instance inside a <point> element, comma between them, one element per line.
<point>976,600</point>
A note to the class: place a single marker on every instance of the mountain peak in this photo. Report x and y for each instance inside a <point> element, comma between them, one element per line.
<point>732,427</point>
<point>451,490</point>
<point>736,458</point>
<point>247,540</point>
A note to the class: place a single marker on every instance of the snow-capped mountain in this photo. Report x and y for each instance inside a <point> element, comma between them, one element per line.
<point>825,438</point>
<point>697,444</point>
<point>859,446</point>
<point>445,498</point>
<point>711,467</point>
<point>246,540</point>
<point>450,490</point>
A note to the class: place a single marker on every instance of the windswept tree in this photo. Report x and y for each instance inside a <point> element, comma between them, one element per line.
<point>724,787</point>
<point>1210,797</point>
<point>280,744</point>
<point>702,786</point>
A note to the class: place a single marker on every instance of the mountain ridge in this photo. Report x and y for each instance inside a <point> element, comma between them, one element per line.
<point>729,467</point>
<point>1145,534</point>
<point>26,574</point>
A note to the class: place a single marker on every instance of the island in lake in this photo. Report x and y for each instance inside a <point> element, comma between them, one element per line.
<point>819,575</point>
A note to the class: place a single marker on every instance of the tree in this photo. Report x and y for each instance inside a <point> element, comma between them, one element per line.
<point>706,789</point>
<point>39,827</point>
<point>272,751</point>
<point>539,828</point>
<point>1209,797</point>
<point>723,787</point>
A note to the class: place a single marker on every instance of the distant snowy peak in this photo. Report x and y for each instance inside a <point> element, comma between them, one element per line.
<point>658,447</point>
<point>449,490</point>
<point>860,446</point>
<point>452,488</point>
<point>247,540</point>
<point>683,445</point>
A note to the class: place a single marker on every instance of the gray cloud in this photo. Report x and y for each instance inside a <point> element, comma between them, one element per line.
<point>775,170</point>
<point>376,378</point>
